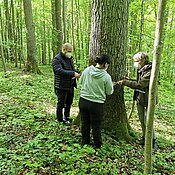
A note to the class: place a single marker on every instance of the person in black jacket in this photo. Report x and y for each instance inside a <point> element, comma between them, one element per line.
<point>64,81</point>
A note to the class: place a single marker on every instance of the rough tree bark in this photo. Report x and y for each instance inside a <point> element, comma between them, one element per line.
<point>109,36</point>
<point>57,27</point>
<point>31,65</point>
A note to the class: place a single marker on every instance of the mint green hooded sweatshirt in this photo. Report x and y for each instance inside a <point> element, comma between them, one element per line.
<point>95,83</point>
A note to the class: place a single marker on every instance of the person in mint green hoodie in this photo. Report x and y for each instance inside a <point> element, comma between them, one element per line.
<point>96,83</point>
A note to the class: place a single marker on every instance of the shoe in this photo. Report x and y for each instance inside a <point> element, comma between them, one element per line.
<point>97,146</point>
<point>68,119</point>
<point>65,123</point>
<point>142,141</point>
<point>154,145</point>
<point>59,120</point>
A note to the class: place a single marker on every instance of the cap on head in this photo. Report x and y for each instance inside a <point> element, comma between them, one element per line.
<point>103,59</point>
<point>141,56</point>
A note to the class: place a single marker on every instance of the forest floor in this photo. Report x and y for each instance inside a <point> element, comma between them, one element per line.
<point>33,142</point>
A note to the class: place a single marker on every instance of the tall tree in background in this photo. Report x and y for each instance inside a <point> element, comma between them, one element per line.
<point>141,26</point>
<point>31,64</point>
<point>19,30</point>
<point>64,20</point>
<point>153,86</point>
<point>44,36</point>
<point>109,36</point>
<point>14,33</point>
<point>58,24</point>
<point>6,31</point>
<point>2,56</point>
<point>1,44</point>
<point>57,27</point>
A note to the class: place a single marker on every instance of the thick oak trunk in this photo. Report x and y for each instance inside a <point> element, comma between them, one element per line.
<point>109,36</point>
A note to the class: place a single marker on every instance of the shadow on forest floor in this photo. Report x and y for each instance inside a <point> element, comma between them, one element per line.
<point>33,142</point>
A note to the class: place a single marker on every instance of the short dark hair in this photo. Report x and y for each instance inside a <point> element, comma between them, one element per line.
<point>103,59</point>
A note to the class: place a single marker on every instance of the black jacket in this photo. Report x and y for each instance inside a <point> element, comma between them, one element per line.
<point>64,70</point>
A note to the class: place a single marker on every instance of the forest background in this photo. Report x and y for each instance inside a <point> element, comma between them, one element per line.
<point>32,141</point>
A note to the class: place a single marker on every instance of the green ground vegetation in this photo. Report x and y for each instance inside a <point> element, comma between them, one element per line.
<point>33,142</point>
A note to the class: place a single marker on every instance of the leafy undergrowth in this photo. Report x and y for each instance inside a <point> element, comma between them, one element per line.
<point>33,142</point>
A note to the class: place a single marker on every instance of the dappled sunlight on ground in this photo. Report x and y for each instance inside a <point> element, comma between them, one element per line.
<point>166,128</point>
<point>30,134</point>
<point>51,110</point>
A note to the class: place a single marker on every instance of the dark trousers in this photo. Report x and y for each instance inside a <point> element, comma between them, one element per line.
<point>142,112</point>
<point>91,116</point>
<point>65,99</point>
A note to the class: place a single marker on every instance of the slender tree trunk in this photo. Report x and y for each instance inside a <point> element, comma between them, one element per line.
<point>109,36</point>
<point>172,66</point>
<point>57,27</point>
<point>88,28</point>
<point>72,25</point>
<point>21,55</point>
<point>14,34</point>
<point>172,69</point>
<point>153,86</point>
<point>18,35</point>
<point>77,32</point>
<point>44,38</point>
<point>81,32</point>
<point>2,56</point>
<point>1,43</point>
<point>10,32</point>
<point>64,20</point>
<point>141,26</point>
<point>54,49</point>
<point>6,35</point>
<point>58,24</point>
<point>132,44</point>
<point>49,47</point>
<point>31,64</point>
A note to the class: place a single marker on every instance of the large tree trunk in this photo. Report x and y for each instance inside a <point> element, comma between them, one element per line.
<point>109,36</point>
<point>31,64</point>
<point>153,86</point>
